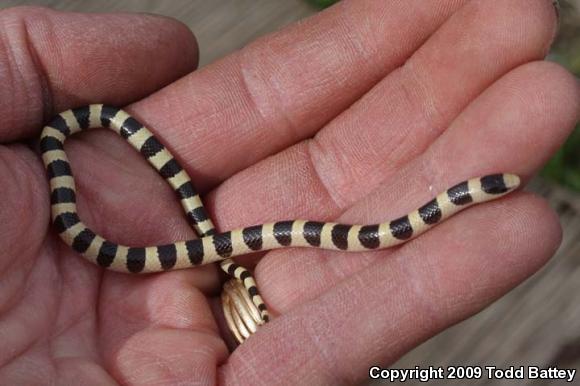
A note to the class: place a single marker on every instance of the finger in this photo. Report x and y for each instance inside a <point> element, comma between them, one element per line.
<point>24,213</point>
<point>396,121</point>
<point>320,179</point>
<point>514,126</point>
<point>52,61</point>
<point>194,99</point>
<point>284,87</point>
<point>393,305</point>
<point>157,329</point>
<point>167,356</point>
<point>474,48</point>
<point>134,193</point>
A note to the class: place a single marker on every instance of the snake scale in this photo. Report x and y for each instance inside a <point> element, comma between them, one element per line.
<point>212,246</point>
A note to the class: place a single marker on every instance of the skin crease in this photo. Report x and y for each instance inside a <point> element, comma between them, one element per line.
<point>472,89</point>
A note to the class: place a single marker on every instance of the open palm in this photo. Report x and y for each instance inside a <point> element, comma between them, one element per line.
<point>358,114</point>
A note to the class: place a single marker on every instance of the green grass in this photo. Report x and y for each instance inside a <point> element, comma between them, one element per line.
<point>564,167</point>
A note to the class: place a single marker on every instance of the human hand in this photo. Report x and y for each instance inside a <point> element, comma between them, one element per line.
<point>444,91</point>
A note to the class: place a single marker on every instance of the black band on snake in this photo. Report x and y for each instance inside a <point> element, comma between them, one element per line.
<point>211,246</point>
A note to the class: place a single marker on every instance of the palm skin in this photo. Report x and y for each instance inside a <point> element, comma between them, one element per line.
<point>318,121</point>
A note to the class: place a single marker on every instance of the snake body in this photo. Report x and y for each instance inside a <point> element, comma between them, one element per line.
<point>211,246</point>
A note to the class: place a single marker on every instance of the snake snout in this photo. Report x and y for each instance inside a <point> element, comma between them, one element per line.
<point>511,181</point>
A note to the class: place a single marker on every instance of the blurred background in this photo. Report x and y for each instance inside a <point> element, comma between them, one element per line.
<point>536,324</point>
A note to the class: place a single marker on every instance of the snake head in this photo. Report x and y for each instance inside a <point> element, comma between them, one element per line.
<point>499,184</point>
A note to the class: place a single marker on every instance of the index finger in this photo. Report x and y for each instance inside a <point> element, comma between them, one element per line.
<point>284,87</point>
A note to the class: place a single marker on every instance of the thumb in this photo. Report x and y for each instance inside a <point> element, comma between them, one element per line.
<point>51,61</point>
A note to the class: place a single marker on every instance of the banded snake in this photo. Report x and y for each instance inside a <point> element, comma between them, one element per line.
<point>211,246</point>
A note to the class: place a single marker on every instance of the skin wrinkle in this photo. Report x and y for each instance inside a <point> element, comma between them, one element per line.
<point>327,161</point>
<point>435,312</point>
<point>425,98</point>
<point>405,331</point>
<point>4,213</point>
<point>322,353</point>
<point>434,121</point>
<point>29,249</point>
<point>322,306</point>
<point>365,258</point>
<point>77,314</point>
<point>25,205</point>
<point>508,41</point>
<point>93,201</point>
<point>158,362</point>
<point>58,340</point>
<point>25,61</point>
<point>201,131</point>
<point>33,372</point>
<point>404,282</point>
<point>25,319</point>
<point>10,75</point>
<point>47,105</point>
<point>251,81</point>
<point>39,267</point>
<point>248,373</point>
<point>143,360</point>
<point>99,301</point>
<point>15,354</point>
<point>398,152</point>
<point>431,174</point>
<point>352,373</point>
<point>368,279</point>
<point>355,37</point>
<point>41,43</point>
<point>188,322</point>
<point>152,287</point>
<point>335,201</point>
<point>246,370</point>
<point>86,187</point>
<point>68,371</point>
<point>61,268</point>
<point>521,76</point>
<point>382,70</point>
<point>443,151</point>
<point>16,282</point>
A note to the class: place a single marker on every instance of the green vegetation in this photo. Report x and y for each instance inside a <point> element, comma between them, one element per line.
<point>322,3</point>
<point>564,168</point>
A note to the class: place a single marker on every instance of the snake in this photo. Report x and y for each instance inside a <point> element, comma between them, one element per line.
<point>211,246</point>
